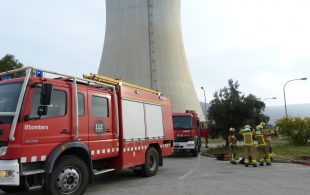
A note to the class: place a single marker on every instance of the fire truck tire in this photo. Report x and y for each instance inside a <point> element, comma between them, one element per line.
<point>150,167</point>
<point>12,189</point>
<point>69,176</point>
<point>195,151</point>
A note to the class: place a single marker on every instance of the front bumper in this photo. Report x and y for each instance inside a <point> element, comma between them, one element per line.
<point>9,173</point>
<point>179,146</point>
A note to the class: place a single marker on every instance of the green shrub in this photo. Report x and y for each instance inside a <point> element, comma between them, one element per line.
<point>295,128</point>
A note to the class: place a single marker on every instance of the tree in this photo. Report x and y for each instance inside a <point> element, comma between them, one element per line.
<point>8,62</point>
<point>295,128</point>
<point>231,108</point>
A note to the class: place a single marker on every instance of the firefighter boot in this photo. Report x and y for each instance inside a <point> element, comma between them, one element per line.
<point>261,162</point>
<point>246,162</point>
<point>254,163</point>
<point>232,159</point>
<point>268,160</point>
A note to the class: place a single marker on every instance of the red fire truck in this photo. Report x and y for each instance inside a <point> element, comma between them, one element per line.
<point>56,134</point>
<point>187,136</point>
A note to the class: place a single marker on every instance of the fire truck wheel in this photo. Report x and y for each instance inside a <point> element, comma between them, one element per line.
<point>195,151</point>
<point>150,167</point>
<point>70,176</point>
<point>12,189</point>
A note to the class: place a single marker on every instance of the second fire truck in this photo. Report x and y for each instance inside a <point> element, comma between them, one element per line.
<point>187,132</point>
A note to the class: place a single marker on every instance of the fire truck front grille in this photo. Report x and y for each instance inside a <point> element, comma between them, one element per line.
<point>181,139</point>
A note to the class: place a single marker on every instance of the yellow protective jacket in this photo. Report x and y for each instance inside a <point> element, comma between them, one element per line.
<point>269,133</point>
<point>247,138</point>
<point>261,138</point>
<point>232,140</point>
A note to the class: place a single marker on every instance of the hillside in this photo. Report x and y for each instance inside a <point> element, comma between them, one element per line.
<point>277,112</point>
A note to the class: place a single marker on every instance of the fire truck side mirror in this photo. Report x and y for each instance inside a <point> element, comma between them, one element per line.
<point>46,94</point>
<point>45,100</point>
<point>42,110</point>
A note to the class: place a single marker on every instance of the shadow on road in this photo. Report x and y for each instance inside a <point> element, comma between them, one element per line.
<point>179,155</point>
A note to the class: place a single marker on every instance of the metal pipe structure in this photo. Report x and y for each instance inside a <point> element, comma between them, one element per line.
<point>144,46</point>
<point>204,93</point>
<point>305,78</point>
<point>30,70</point>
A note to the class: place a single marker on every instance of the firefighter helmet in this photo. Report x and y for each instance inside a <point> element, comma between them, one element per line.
<point>231,129</point>
<point>259,127</point>
<point>262,124</point>
<point>247,128</point>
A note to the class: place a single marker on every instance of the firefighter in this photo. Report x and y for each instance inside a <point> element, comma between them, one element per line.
<point>232,140</point>
<point>248,146</point>
<point>262,146</point>
<point>268,138</point>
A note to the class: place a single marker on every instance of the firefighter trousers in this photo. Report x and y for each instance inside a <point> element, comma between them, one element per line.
<point>249,151</point>
<point>232,152</point>
<point>264,155</point>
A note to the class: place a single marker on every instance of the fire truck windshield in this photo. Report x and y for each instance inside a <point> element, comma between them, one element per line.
<point>182,122</point>
<point>9,94</point>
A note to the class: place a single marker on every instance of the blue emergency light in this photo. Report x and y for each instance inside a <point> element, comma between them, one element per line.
<point>5,78</point>
<point>39,73</point>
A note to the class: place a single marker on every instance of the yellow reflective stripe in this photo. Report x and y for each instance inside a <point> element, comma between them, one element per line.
<point>263,139</point>
<point>245,141</point>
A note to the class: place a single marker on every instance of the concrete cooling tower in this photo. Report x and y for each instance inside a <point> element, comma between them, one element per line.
<point>144,46</point>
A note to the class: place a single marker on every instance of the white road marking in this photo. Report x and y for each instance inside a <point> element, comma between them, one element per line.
<point>187,174</point>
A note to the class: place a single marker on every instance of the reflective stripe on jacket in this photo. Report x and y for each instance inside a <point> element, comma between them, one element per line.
<point>261,141</point>
<point>248,139</point>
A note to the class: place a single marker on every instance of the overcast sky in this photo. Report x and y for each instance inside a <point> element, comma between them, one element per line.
<point>260,43</point>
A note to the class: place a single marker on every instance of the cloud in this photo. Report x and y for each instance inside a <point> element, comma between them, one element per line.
<point>260,43</point>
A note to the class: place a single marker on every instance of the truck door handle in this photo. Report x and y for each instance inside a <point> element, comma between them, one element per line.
<point>108,130</point>
<point>64,131</point>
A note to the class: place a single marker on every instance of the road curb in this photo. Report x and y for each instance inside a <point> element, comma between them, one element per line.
<point>274,160</point>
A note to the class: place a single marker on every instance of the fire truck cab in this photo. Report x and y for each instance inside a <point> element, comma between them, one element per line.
<point>187,132</point>
<point>56,134</point>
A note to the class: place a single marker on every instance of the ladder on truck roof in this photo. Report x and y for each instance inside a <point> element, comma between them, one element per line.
<point>116,82</point>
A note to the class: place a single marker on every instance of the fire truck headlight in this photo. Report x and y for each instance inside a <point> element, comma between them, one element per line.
<point>3,150</point>
<point>6,173</point>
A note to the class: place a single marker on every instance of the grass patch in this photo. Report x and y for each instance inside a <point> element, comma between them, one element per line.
<point>216,141</point>
<point>288,151</point>
<point>213,141</point>
<point>281,150</point>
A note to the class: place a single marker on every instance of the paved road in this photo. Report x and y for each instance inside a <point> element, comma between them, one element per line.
<point>201,175</point>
